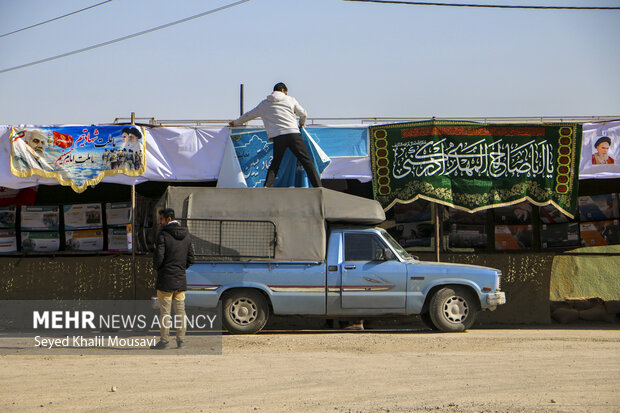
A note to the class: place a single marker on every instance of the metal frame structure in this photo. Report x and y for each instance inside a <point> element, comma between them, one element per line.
<point>377,120</point>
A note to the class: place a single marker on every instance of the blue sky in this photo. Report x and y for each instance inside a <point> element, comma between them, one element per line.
<point>339,59</point>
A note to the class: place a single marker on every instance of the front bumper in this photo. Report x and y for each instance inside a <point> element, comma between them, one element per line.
<point>495,299</point>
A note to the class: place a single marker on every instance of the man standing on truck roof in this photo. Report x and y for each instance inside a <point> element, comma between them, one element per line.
<point>173,254</point>
<point>279,114</point>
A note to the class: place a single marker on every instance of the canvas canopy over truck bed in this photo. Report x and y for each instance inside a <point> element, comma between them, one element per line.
<point>299,217</point>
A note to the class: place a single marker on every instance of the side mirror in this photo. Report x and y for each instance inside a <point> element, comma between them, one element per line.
<point>388,255</point>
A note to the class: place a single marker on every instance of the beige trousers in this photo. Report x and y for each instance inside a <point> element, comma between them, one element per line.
<point>176,301</point>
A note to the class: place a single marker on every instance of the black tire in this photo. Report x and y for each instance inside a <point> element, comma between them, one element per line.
<point>453,309</point>
<point>426,319</point>
<point>244,311</point>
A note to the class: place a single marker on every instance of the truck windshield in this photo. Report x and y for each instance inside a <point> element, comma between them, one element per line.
<point>395,245</point>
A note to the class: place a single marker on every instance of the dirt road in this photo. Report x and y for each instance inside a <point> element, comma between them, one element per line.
<point>482,370</point>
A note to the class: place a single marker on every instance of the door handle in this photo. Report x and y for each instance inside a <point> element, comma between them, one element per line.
<point>349,267</point>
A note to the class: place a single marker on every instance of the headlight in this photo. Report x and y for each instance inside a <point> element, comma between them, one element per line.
<point>498,283</point>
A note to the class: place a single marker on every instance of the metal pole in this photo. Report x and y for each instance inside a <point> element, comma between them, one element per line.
<point>133,240</point>
<point>133,229</point>
<point>437,240</point>
<point>241,100</point>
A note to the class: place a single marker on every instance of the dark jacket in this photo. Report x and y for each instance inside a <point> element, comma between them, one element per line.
<point>174,253</point>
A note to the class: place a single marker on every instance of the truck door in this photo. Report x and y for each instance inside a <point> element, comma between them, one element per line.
<point>369,280</point>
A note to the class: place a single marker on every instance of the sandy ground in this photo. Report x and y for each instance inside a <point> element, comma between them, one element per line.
<point>483,370</point>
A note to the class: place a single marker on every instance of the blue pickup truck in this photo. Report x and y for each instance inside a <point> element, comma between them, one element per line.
<point>316,253</point>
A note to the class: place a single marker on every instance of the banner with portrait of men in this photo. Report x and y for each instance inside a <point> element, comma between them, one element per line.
<point>474,166</point>
<point>78,156</point>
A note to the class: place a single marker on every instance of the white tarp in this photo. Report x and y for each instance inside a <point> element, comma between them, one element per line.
<point>179,154</point>
<point>593,133</point>
<point>231,175</point>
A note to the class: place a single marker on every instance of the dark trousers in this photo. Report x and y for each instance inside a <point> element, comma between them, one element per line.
<point>295,143</point>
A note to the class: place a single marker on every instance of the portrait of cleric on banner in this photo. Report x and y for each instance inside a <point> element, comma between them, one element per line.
<point>602,156</point>
<point>78,156</point>
<point>600,152</point>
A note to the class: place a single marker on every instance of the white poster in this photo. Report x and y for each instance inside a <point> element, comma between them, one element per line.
<point>118,213</point>
<point>84,240</point>
<point>8,241</point>
<point>82,216</point>
<point>600,151</point>
<point>40,241</point>
<point>39,218</point>
<point>118,240</point>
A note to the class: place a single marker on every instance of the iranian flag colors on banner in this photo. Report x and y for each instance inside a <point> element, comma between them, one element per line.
<point>474,166</point>
<point>78,156</point>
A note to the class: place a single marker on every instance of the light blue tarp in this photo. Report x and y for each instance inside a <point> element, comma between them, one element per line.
<point>254,152</point>
<point>341,141</point>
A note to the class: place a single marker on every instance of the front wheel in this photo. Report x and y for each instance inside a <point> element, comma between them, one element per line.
<point>453,309</point>
<point>426,319</point>
<point>244,312</point>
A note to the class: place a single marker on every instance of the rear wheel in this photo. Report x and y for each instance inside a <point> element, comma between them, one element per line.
<point>453,309</point>
<point>244,311</point>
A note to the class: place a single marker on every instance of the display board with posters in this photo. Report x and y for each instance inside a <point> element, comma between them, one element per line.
<point>38,241</point>
<point>413,234</point>
<point>8,216</point>
<point>562,235</point>
<point>118,213</point>
<point>82,216</point>
<point>118,239</point>
<point>39,218</point>
<point>467,236</point>
<point>514,214</point>
<point>84,240</point>
<point>419,210</point>
<point>8,241</point>
<point>513,237</point>
<point>551,215</point>
<point>598,207</point>
<point>463,217</point>
<point>413,227</point>
<point>598,233</point>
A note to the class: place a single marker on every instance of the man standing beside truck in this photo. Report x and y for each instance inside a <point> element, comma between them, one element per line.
<point>173,254</point>
<point>279,114</point>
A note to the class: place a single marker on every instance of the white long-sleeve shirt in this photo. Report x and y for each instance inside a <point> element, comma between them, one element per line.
<point>279,114</point>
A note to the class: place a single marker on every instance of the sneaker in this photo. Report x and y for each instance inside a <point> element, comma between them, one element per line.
<point>180,344</point>
<point>161,345</point>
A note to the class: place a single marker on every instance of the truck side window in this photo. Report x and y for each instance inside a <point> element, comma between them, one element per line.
<point>362,247</point>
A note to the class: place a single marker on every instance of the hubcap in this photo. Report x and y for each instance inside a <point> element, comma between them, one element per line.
<point>455,309</point>
<point>243,311</point>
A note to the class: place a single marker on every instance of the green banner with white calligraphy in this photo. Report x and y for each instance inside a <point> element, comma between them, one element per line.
<point>475,166</point>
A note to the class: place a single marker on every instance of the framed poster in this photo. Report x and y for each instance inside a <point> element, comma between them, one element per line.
<point>513,237</point>
<point>84,240</point>
<point>39,218</point>
<point>82,216</point>
<point>40,241</point>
